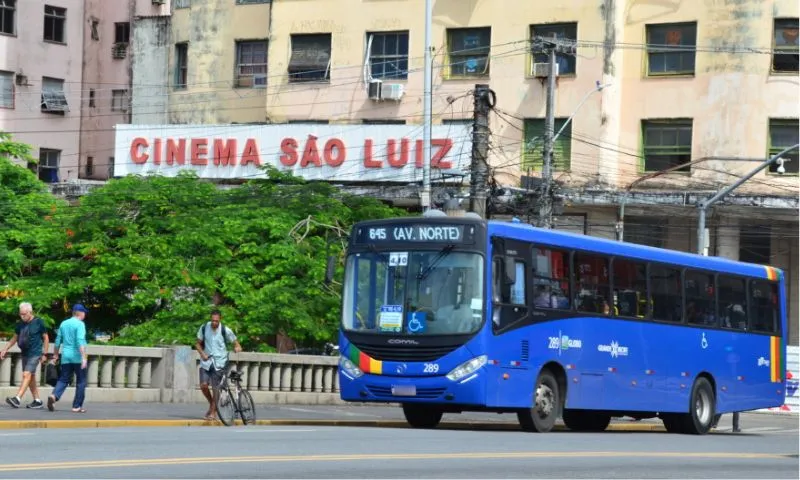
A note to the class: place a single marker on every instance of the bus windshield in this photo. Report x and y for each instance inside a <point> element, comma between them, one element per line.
<point>437,292</point>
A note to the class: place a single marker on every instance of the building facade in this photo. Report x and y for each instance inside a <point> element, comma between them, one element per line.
<point>661,105</point>
<point>40,81</point>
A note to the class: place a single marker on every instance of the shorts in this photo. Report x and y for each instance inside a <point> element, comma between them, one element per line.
<point>209,378</point>
<point>30,364</point>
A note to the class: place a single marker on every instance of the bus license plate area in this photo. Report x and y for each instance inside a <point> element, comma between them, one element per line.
<point>404,390</point>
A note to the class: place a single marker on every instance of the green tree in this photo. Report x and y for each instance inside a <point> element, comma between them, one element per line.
<point>151,255</point>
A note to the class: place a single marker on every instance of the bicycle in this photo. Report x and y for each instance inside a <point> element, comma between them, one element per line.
<point>232,401</point>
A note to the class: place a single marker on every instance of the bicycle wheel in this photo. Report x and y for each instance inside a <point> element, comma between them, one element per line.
<point>247,407</point>
<point>226,410</point>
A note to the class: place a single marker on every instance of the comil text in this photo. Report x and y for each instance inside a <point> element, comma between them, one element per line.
<point>311,151</point>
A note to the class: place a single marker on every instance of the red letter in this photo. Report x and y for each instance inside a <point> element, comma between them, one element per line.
<point>391,154</point>
<point>225,153</point>
<point>199,151</point>
<point>289,149</point>
<point>157,151</point>
<point>311,153</point>
<point>368,161</point>
<point>176,153</point>
<point>437,160</point>
<point>419,150</point>
<point>341,152</point>
<point>135,155</point>
<point>250,154</point>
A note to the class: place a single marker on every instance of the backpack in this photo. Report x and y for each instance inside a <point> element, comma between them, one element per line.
<point>224,333</point>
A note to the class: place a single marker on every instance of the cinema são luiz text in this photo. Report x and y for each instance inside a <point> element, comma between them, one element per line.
<point>336,152</point>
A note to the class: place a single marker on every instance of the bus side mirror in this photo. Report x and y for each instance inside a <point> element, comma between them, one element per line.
<point>510,271</point>
<point>330,269</point>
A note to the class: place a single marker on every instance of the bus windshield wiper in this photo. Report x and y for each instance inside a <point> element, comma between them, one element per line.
<point>438,258</point>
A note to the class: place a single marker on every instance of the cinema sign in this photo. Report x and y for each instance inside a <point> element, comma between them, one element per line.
<point>338,153</point>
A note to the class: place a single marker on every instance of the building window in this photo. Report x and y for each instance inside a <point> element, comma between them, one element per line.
<point>48,165</point>
<point>53,98</point>
<point>457,121</point>
<point>468,51</point>
<point>181,64</point>
<point>534,131</point>
<point>183,3</point>
<point>251,2</point>
<point>559,31</point>
<point>251,64</point>
<point>95,32</point>
<point>6,89</point>
<point>311,58</point>
<point>388,55</point>
<point>110,167</point>
<point>309,122</point>
<point>671,49</point>
<point>119,100</point>
<point>386,121</point>
<point>782,135</point>
<point>55,20</point>
<point>755,244</point>
<point>89,166</point>
<point>7,11</point>
<point>667,144</point>
<point>122,32</point>
<point>645,231</point>
<point>91,98</point>
<point>785,55</point>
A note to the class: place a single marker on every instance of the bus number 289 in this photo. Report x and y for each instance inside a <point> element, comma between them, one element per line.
<point>430,368</point>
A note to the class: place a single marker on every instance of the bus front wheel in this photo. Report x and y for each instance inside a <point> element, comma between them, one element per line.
<point>422,416</point>
<point>546,405</point>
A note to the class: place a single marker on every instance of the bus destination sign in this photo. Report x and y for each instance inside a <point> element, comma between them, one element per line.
<point>411,233</point>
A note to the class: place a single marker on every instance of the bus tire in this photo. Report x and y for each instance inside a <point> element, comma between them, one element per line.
<point>422,416</point>
<point>585,420</point>
<point>546,405</point>
<point>702,408</point>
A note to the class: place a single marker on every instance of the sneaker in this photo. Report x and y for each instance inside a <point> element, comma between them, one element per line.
<point>35,404</point>
<point>13,401</point>
<point>51,403</point>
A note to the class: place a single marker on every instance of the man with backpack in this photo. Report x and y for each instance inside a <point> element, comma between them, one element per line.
<point>30,335</point>
<point>212,345</point>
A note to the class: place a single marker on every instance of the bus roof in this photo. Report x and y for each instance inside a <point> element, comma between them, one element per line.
<point>527,232</point>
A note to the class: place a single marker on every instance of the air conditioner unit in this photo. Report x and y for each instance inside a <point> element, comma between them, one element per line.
<point>374,89</point>
<point>22,80</point>
<point>119,50</point>
<point>260,81</point>
<point>159,2</point>
<point>393,91</point>
<point>543,69</point>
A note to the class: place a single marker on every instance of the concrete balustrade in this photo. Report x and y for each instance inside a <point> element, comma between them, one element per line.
<point>170,374</point>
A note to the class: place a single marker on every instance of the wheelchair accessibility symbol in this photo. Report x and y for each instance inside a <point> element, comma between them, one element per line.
<point>704,342</point>
<point>417,322</point>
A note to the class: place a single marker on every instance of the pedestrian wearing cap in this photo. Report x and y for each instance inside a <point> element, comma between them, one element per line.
<point>71,341</point>
<point>30,335</point>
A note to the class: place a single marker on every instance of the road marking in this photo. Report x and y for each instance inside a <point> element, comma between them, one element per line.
<point>267,430</point>
<point>349,414</point>
<point>145,462</point>
<point>15,434</point>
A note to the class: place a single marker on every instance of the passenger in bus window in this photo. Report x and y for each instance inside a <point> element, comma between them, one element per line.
<point>544,297</point>
<point>734,317</point>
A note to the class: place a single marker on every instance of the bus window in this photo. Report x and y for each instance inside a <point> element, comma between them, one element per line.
<point>701,304</point>
<point>630,288</point>
<point>764,307</point>
<point>591,284</point>
<point>551,278</point>
<point>665,290</point>
<point>518,288</point>
<point>732,298</point>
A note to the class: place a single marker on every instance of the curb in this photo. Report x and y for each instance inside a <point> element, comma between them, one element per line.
<point>31,424</point>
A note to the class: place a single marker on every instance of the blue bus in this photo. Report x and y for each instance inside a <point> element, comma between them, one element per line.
<point>451,314</point>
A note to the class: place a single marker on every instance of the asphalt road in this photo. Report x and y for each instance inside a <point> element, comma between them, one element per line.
<point>353,452</point>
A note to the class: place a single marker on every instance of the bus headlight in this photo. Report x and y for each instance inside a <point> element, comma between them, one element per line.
<point>349,367</point>
<point>467,368</point>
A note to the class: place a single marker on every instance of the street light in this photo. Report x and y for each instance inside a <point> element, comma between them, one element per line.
<point>703,205</point>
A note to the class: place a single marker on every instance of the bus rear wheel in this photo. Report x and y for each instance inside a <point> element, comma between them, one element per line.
<point>422,416</point>
<point>546,405</point>
<point>702,411</point>
<point>585,420</point>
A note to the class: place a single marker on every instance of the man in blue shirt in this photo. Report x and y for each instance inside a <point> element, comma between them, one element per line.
<point>212,340</point>
<point>71,339</point>
<point>30,335</point>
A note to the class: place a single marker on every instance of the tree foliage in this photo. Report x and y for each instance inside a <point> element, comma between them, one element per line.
<point>151,255</point>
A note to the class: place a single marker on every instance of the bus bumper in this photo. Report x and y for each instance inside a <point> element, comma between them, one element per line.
<point>470,390</point>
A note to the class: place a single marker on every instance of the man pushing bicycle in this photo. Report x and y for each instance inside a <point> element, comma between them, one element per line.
<point>212,345</point>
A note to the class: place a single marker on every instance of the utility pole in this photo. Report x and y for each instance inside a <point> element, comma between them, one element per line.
<point>425,198</point>
<point>546,199</point>
<point>479,170</point>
